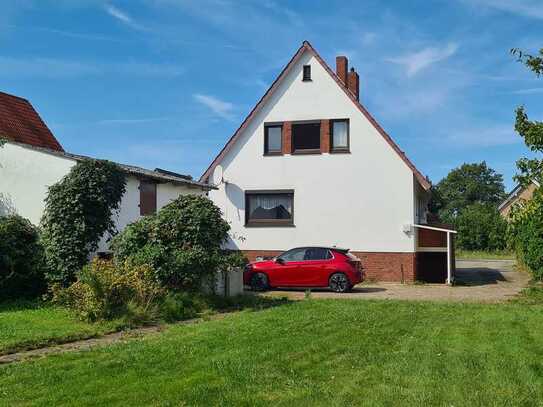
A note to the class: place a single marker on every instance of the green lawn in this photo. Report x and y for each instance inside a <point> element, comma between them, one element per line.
<point>313,352</point>
<point>25,325</point>
<point>479,254</point>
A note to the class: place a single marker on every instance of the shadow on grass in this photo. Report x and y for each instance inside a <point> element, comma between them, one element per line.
<point>20,305</point>
<point>247,301</point>
<point>477,276</point>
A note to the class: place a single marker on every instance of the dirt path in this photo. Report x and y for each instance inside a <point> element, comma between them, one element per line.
<point>86,344</point>
<point>486,281</point>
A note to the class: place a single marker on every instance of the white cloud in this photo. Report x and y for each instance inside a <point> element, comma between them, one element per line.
<point>133,121</point>
<point>528,91</point>
<point>526,8</point>
<point>417,61</point>
<point>489,136</point>
<point>62,68</point>
<point>368,38</point>
<point>122,16</point>
<point>220,108</point>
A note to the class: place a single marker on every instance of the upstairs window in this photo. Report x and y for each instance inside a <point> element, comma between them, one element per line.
<point>272,139</point>
<point>269,208</point>
<point>147,198</point>
<point>339,135</point>
<point>306,137</point>
<point>307,73</point>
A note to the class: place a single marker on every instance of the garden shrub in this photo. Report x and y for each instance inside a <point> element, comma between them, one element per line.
<point>78,212</point>
<point>105,290</point>
<point>480,227</point>
<point>526,233</point>
<point>22,263</point>
<point>182,243</point>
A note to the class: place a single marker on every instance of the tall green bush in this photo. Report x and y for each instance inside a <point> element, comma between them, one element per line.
<point>526,233</point>
<point>78,211</point>
<point>21,258</point>
<point>480,227</point>
<point>182,242</point>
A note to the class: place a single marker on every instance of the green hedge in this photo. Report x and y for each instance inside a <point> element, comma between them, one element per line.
<point>22,263</point>
<point>526,233</point>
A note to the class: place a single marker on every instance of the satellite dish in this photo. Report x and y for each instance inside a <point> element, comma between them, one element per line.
<point>218,175</point>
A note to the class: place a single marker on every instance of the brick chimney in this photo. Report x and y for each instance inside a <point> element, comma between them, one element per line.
<point>341,68</point>
<point>353,83</point>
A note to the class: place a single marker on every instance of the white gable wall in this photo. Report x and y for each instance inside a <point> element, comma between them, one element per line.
<point>359,200</point>
<point>26,174</point>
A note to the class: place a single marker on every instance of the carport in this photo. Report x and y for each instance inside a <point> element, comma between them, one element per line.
<point>435,262</point>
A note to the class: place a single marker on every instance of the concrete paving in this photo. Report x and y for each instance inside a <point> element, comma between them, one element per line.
<point>487,281</point>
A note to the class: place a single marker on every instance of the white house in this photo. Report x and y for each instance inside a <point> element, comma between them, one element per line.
<point>310,166</point>
<point>32,160</point>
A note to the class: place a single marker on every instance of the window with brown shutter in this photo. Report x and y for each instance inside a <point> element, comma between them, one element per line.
<point>147,198</point>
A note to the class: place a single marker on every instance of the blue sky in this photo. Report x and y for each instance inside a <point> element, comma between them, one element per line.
<point>164,83</point>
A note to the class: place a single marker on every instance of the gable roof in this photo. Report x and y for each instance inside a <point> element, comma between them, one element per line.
<point>20,122</point>
<point>158,175</point>
<point>514,193</point>
<point>306,46</point>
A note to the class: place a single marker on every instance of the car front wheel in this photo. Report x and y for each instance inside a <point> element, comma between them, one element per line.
<point>259,282</point>
<point>339,283</point>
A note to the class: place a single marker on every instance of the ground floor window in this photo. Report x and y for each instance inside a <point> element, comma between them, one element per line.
<point>269,208</point>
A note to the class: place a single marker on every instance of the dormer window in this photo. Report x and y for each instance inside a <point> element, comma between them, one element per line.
<point>307,73</point>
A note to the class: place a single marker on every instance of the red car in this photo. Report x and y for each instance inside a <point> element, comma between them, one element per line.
<point>306,267</point>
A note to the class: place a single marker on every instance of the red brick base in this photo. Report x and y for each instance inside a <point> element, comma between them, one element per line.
<point>377,266</point>
<point>388,266</point>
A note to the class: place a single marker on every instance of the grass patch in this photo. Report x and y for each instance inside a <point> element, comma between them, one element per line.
<point>479,254</point>
<point>31,324</point>
<point>318,352</point>
<point>532,295</point>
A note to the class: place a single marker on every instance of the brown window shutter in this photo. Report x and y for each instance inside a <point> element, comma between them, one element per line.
<point>325,136</point>
<point>287,138</point>
<point>147,198</point>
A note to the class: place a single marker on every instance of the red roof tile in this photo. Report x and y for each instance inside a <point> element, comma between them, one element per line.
<point>21,123</point>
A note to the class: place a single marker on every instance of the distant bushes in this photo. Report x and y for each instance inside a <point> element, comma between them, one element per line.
<point>22,266</point>
<point>526,233</point>
<point>481,227</point>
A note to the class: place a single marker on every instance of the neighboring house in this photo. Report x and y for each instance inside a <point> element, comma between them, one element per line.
<point>310,166</point>
<point>32,160</point>
<point>518,194</point>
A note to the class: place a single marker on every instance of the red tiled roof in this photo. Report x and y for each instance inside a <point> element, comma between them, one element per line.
<point>306,46</point>
<point>21,123</point>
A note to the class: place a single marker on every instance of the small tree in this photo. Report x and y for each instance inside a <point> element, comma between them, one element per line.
<point>78,211</point>
<point>526,218</point>
<point>182,243</point>
<point>530,131</point>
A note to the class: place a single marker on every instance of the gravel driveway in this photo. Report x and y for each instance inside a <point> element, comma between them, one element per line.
<point>477,281</point>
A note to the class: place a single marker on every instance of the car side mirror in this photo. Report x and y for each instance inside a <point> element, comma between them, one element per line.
<point>279,260</point>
